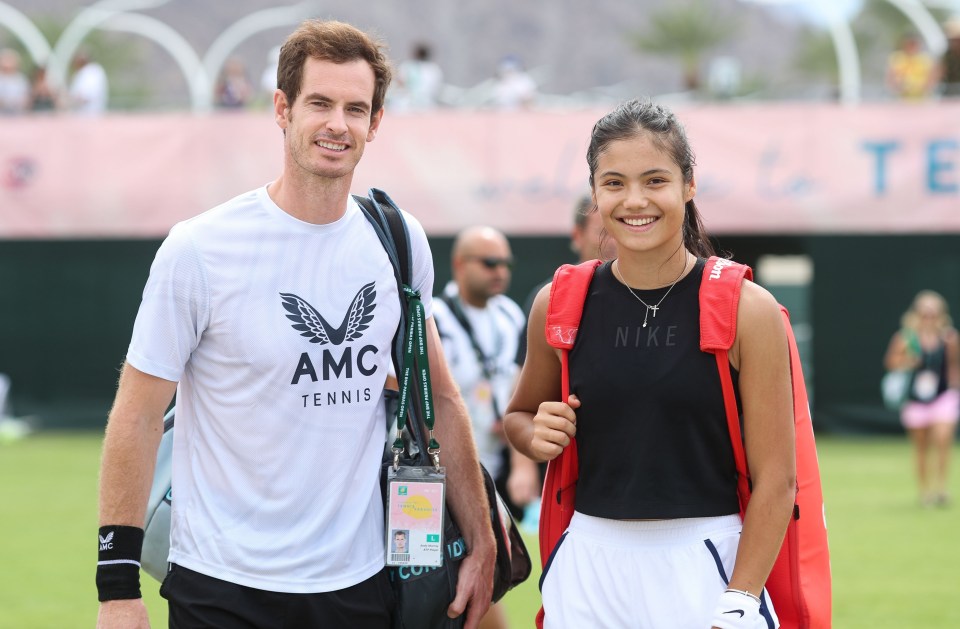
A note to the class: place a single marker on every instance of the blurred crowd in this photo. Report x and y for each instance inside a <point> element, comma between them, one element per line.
<point>912,73</point>
<point>419,85</point>
<point>86,93</point>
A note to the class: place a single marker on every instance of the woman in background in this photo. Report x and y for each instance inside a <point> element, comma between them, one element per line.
<point>927,344</point>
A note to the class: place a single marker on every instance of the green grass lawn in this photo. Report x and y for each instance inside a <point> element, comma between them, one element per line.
<point>894,563</point>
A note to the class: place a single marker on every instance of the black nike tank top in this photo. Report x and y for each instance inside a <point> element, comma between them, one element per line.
<point>651,430</point>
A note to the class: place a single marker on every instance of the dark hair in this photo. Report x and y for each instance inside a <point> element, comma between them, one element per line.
<point>638,117</point>
<point>331,41</point>
<point>421,52</point>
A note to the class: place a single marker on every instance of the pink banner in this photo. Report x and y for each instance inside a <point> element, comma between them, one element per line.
<point>761,169</point>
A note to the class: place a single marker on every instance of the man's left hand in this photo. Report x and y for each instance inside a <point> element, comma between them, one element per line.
<point>475,585</point>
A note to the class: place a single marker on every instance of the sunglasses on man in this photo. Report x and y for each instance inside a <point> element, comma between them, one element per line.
<point>492,263</point>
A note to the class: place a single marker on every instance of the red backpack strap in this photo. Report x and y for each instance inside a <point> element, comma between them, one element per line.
<point>719,299</point>
<point>567,294</point>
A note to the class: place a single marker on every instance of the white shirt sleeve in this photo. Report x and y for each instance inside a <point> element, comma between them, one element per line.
<point>174,310</point>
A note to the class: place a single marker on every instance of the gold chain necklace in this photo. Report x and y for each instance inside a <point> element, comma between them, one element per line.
<point>656,306</point>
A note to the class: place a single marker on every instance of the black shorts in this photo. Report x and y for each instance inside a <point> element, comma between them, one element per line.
<point>196,600</point>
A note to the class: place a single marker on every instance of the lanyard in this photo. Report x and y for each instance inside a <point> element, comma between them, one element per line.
<point>416,365</point>
<point>487,364</point>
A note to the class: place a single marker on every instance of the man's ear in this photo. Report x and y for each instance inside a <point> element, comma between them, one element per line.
<point>374,125</point>
<point>281,108</point>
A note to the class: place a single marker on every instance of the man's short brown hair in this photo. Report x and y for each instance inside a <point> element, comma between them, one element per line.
<point>329,40</point>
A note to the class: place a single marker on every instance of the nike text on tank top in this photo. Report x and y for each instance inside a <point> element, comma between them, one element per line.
<point>279,333</point>
<point>651,431</point>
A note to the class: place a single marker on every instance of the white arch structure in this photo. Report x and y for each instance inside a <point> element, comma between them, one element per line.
<point>848,56</point>
<point>77,30</point>
<point>245,27</point>
<point>199,84</point>
<point>20,25</point>
<point>927,26</point>
<point>118,15</point>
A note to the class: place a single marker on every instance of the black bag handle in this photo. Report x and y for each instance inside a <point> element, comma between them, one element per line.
<point>391,229</point>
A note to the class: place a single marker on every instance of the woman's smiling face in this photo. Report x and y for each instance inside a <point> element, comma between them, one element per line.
<point>641,195</point>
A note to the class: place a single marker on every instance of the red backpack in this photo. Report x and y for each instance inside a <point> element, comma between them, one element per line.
<point>799,584</point>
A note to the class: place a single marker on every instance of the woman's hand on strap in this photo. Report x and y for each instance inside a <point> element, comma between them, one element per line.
<point>554,426</point>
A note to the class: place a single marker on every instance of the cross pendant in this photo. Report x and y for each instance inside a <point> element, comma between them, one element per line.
<point>647,312</point>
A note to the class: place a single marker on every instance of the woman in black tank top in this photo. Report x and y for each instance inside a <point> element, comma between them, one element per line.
<point>646,405</point>
<point>928,347</point>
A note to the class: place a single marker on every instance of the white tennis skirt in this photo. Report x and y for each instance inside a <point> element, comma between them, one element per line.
<point>647,574</point>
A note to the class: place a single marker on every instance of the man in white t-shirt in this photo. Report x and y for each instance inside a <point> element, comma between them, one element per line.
<point>14,86</point>
<point>271,317</point>
<point>588,241</point>
<point>480,328</point>
<point>421,80</point>
<point>513,87</point>
<point>88,87</point>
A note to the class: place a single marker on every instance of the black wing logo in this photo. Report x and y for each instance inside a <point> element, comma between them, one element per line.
<point>311,324</point>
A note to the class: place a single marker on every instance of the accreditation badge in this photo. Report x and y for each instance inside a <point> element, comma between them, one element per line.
<point>414,530</point>
<point>925,385</point>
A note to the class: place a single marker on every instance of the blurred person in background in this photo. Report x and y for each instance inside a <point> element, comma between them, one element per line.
<point>479,327</point>
<point>950,61</point>
<point>89,90</point>
<point>14,86</point>
<point>513,87</point>
<point>42,96</point>
<point>233,89</point>
<point>588,241</point>
<point>927,345</point>
<point>11,428</point>
<point>911,72</point>
<point>268,79</point>
<point>420,80</point>
<point>279,516</point>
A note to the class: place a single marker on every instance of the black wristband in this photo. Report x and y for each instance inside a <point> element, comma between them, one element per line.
<point>118,562</point>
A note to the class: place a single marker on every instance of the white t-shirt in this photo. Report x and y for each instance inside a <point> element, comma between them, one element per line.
<point>279,333</point>
<point>497,329</point>
<point>14,93</point>
<point>514,90</point>
<point>88,90</point>
<point>420,82</point>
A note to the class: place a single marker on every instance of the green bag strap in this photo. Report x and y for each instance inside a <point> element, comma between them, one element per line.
<point>410,351</point>
<point>416,361</point>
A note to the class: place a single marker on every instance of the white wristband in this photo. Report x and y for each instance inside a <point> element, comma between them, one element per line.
<point>736,610</point>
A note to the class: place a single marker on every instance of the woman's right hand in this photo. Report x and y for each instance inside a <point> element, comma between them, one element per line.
<point>554,425</point>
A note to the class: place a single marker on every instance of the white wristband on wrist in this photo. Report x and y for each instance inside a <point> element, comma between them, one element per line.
<point>736,609</point>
